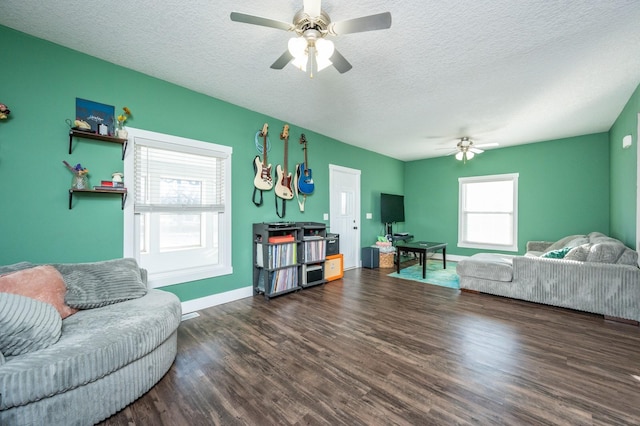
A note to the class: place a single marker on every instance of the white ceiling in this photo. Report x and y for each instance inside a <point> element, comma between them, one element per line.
<point>502,71</point>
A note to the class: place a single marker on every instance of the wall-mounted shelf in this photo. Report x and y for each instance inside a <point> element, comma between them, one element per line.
<point>94,136</point>
<point>121,192</point>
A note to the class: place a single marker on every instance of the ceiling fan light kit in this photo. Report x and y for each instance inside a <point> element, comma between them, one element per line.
<point>310,51</point>
<point>465,149</point>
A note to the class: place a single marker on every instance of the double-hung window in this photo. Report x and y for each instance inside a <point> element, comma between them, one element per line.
<point>488,212</point>
<point>178,221</point>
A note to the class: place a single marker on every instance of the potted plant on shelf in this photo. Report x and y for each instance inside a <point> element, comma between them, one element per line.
<point>121,131</point>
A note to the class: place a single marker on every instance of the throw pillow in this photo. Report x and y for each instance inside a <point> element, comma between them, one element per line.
<point>15,267</point>
<point>557,254</point>
<point>605,252</point>
<point>43,283</point>
<point>579,253</point>
<point>97,284</point>
<point>27,324</point>
<point>563,242</point>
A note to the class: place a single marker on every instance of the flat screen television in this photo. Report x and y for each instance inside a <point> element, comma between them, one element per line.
<point>391,208</point>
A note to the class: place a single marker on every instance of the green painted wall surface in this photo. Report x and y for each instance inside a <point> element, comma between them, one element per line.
<point>624,173</point>
<point>563,189</point>
<point>41,83</point>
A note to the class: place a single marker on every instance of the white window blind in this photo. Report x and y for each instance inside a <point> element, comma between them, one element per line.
<point>170,180</point>
<point>178,225</point>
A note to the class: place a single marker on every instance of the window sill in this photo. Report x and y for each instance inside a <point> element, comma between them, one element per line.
<point>481,246</point>
<point>164,279</point>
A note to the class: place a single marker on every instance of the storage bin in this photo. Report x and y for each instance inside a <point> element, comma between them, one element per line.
<point>386,260</point>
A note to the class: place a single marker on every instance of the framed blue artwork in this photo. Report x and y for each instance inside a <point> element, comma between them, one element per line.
<point>96,113</point>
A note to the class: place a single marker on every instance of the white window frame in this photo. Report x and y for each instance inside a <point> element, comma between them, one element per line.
<point>131,220</point>
<point>462,212</point>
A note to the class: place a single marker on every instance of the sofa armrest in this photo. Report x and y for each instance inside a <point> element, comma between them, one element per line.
<point>538,245</point>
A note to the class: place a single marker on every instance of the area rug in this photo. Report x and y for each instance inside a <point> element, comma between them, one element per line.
<point>435,274</point>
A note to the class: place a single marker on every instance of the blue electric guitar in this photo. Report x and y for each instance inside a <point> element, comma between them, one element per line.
<point>304,179</point>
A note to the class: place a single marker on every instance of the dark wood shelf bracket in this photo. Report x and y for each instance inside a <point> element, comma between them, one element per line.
<point>123,194</point>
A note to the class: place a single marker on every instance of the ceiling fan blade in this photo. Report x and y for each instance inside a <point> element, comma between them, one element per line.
<point>379,21</point>
<point>312,7</point>
<point>282,61</point>
<point>455,151</point>
<point>263,22</point>
<point>476,150</point>
<point>486,145</point>
<point>339,62</point>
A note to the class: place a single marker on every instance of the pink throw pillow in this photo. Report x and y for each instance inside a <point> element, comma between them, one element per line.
<point>43,283</point>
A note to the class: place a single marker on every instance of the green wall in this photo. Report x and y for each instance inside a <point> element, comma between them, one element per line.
<point>624,172</point>
<point>40,83</point>
<point>573,185</point>
<point>563,189</point>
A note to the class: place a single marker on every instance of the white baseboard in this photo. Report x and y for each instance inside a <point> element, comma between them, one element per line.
<point>451,257</point>
<point>216,299</point>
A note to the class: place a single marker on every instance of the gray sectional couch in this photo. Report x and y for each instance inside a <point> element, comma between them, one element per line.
<point>118,340</point>
<point>592,273</point>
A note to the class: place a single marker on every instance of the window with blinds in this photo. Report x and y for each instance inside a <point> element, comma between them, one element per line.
<point>181,218</point>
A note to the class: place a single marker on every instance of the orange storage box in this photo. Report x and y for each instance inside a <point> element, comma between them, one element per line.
<point>334,267</point>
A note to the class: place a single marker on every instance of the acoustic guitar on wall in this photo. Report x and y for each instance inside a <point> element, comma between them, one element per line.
<point>303,172</point>
<point>263,179</point>
<point>283,182</point>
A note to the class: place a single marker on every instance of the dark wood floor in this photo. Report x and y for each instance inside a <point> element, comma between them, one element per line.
<point>373,350</point>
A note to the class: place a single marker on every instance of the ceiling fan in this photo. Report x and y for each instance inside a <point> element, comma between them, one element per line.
<point>310,49</point>
<point>466,149</point>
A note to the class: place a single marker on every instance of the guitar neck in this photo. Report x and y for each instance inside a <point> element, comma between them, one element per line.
<point>286,155</point>
<point>265,132</point>
<point>264,151</point>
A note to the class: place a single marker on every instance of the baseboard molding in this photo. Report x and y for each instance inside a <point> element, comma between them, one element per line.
<point>451,257</point>
<point>216,299</point>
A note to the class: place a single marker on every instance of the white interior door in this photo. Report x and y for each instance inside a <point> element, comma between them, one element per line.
<point>344,212</point>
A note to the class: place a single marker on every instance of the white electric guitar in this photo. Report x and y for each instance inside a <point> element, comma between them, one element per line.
<point>263,179</point>
<point>283,183</point>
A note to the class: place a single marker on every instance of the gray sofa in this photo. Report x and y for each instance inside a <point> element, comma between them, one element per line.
<point>120,339</point>
<point>592,273</point>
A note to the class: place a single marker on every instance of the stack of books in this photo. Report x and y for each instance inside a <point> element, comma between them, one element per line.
<point>110,186</point>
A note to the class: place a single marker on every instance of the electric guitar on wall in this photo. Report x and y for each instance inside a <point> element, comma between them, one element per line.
<point>303,172</point>
<point>283,183</point>
<point>263,179</point>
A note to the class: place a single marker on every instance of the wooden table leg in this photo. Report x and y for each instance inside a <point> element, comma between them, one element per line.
<point>423,257</point>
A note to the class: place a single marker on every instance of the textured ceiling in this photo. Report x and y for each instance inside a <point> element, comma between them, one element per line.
<point>502,71</point>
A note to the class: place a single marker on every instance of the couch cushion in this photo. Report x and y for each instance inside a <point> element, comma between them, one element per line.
<point>27,324</point>
<point>564,242</point>
<point>43,283</point>
<point>92,285</point>
<point>488,266</point>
